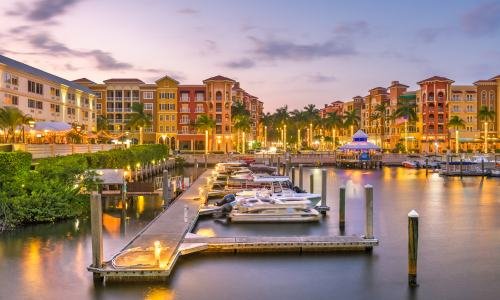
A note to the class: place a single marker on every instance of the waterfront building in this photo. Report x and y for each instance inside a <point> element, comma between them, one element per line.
<point>115,98</point>
<point>335,106</point>
<point>192,104</point>
<point>488,94</point>
<point>395,128</point>
<point>463,104</point>
<point>46,97</point>
<point>168,109</point>
<point>435,92</point>
<point>373,126</point>
<point>219,97</point>
<point>253,105</point>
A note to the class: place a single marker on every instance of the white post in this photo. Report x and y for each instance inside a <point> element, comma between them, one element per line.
<point>369,211</point>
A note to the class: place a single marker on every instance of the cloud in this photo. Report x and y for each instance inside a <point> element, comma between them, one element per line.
<point>352,28</point>
<point>70,67</point>
<point>107,62</point>
<point>244,63</point>
<point>187,11</point>
<point>482,20</point>
<point>19,29</point>
<point>104,60</point>
<point>210,45</point>
<point>320,78</point>
<point>42,10</point>
<point>273,49</point>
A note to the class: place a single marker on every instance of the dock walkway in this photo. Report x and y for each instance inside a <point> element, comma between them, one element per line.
<point>169,228</point>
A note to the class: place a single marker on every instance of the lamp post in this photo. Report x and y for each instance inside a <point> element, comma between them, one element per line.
<point>299,142</point>
<point>456,141</point>
<point>485,137</point>
<point>310,134</point>
<point>284,137</point>
<point>206,142</point>
<point>436,145</point>
<point>265,136</point>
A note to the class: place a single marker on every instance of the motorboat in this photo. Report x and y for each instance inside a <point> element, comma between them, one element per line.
<point>291,209</point>
<point>410,164</point>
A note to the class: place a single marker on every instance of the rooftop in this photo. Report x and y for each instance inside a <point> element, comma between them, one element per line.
<point>37,72</point>
<point>436,78</point>
<point>218,78</point>
<point>124,80</point>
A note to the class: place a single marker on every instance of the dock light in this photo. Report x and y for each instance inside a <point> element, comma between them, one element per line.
<point>153,161</point>
<point>128,167</point>
<point>157,252</point>
<point>138,165</point>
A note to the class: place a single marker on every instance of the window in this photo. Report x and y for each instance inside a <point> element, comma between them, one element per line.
<point>70,111</point>
<point>162,117</point>
<point>55,92</point>
<point>12,100</point>
<point>455,97</point>
<point>171,106</point>
<point>110,94</point>
<point>218,96</point>
<point>184,96</point>
<point>98,95</point>
<point>54,107</point>
<point>492,95</point>
<point>161,128</point>
<point>98,106</point>
<point>71,97</point>
<point>172,117</point>
<point>163,106</point>
<point>468,97</point>
<point>218,107</point>
<point>185,129</point>
<point>200,96</point>
<point>148,106</point>
<point>147,95</point>
<point>184,119</point>
<point>11,79</point>
<point>35,87</point>
<point>164,95</point>
<point>199,108</point>
<point>31,103</point>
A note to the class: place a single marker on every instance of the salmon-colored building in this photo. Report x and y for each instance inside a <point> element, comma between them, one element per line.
<point>192,104</point>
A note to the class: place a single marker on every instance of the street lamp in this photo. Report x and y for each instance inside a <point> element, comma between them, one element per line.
<point>284,137</point>
<point>436,145</point>
<point>310,134</point>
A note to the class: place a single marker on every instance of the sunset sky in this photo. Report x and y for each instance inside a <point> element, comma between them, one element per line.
<point>284,52</point>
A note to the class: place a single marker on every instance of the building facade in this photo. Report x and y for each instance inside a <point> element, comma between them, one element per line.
<point>192,104</point>
<point>46,97</point>
<point>488,94</point>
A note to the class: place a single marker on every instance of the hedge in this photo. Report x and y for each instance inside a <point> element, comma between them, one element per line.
<point>53,190</point>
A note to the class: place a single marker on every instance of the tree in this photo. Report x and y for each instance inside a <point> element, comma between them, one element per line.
<point>138,118</point>
<point>408,111</point>
<point>239,114</point>
<point>10,119</point>
<point>456,122</point>
<point>242,124</point>
<point>351,119</point>
<point>334,121</point>
<point>484,114</point>
<point>380,114</point>
<point>207,124</point>
<point>238,109</point>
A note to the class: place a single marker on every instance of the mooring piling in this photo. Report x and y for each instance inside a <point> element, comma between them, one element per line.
<point>278,165</point>
<point>293,175</point>
<point>323,208</point>
<point>301,176</point>
<point>342,207</point>
<point>369,211</point>
<point>195,169</point>
<point>412,247</point>
<point>206,161</point>
<point>96,230</point>
<point>311,183</point>
<point>166,187</point>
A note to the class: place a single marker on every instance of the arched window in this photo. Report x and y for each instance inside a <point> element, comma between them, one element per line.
<point>218,96</point>
<point>492,95</point>
<point>424,97</point>
<point>431,96</point>
<point>440,96</point>
<point>483,98</point>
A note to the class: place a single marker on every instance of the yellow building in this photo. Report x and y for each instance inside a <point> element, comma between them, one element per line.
<point>463,104</point>
<point>167,111</point>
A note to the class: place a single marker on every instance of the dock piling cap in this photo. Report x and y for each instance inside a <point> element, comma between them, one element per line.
<point>412,214</point>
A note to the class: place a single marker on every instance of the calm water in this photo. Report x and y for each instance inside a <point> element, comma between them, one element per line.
<point>459,251</point>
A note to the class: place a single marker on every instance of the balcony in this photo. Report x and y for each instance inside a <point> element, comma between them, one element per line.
<point>184,121</point>
<point>184,110</point>
<point>126,98</point>
<point>199,110</point>
<point>135,99</point>
<point>184,98</point>
<point>118,98</point>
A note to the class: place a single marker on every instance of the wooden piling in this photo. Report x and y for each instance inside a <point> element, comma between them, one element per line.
<point>369,211</point>
<point>278,165</point>
<point>293,175</point>
<point>426,166</point>
<point>311,183</point>
<point>342,207</point>
<point>412,248</point>
<point>166,187</point>
<point>96,229</point>
<point>461,167</point>
<point>195,169</point>
<point>301,176</point>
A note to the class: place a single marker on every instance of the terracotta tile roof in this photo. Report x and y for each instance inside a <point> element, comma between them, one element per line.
<point>495,78</point>
<point>148,85</point>
<point>84,80</point>
<point>218,78</point>
<point>124,80</point>
<point>397,83</point>
<point>168,77</point>
<point>435,78</point>
<point>379,88</point>
<point>191,86</point>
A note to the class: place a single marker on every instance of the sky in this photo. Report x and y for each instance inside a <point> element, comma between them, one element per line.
<point>284,52</point>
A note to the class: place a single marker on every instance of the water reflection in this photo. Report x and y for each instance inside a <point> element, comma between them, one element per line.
<point>460,242</point>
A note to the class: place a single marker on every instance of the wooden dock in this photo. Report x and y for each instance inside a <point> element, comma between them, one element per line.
<point>279,244</point>
<point>153,252</point>
<point>169,228</point>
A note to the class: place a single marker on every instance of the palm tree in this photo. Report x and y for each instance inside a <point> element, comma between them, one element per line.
<point>10,119</point>
<point>207,124</point>
<point>267,121</point>
<point>456,122</point>
<point>311,114</point>
<point>299,121</point>
<point>242,125</point>
<point>334,121</point>
<point>408,111</point>
<point>138,118</point>
<point>351,119</point>
<point>239,113</point>
<point>380,114</point>
<point>238,108</point>
<point>484,114</point>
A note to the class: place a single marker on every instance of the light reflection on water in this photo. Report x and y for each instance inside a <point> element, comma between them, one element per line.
<point>458,258</point>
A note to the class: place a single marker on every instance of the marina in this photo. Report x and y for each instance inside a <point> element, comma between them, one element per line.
<point>153,252</point>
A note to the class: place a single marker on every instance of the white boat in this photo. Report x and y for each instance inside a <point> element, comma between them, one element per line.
<point>409,164</point>
<point>293,209</point>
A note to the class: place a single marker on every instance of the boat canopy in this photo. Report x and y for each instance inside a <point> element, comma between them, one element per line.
<point>359,142</point>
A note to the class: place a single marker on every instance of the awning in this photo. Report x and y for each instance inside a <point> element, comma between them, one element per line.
<point>52,126</point>
<point>359,146</point>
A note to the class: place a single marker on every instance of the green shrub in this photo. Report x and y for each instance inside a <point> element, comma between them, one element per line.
<point>13,163</point>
